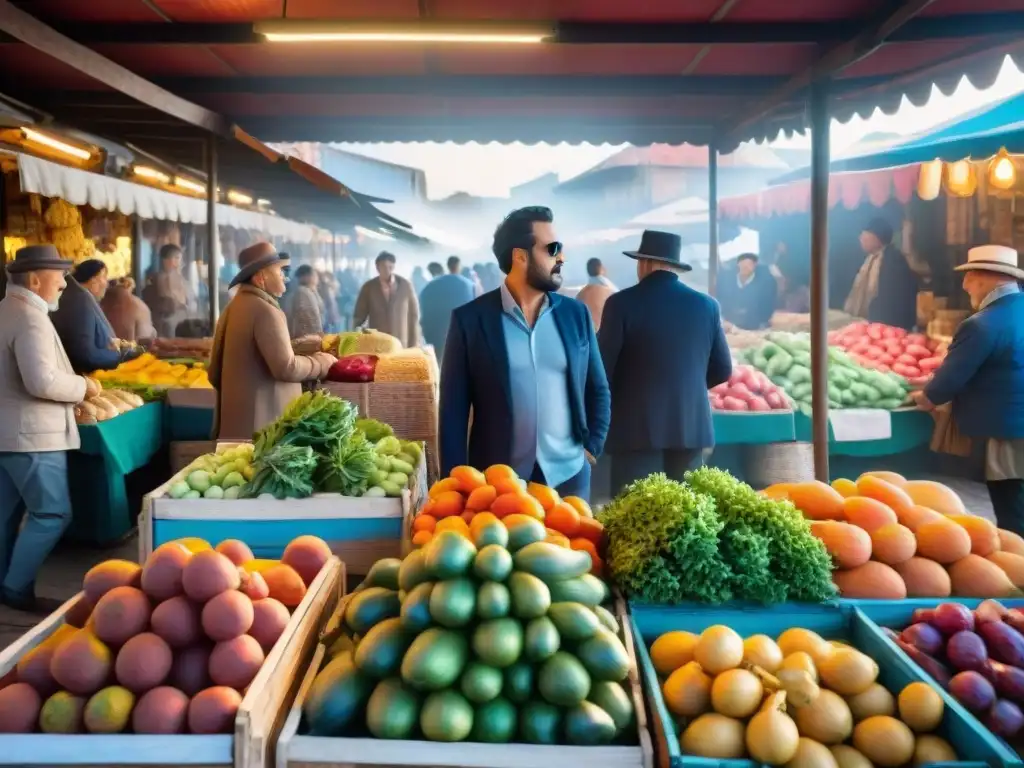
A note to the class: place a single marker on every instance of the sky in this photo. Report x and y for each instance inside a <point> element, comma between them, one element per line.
<point>490,170</point>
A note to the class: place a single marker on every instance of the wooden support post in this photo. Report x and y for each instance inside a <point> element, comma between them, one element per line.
<point>712,219</point>
<point>3,234</point>
<point>819,119</point>
<point>137,273</point>
<point>212,244</point>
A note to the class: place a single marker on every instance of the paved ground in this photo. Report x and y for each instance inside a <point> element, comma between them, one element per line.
<point>61,577</point>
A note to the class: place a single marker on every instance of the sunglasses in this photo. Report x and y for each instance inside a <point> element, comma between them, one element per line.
<point>553,249</point>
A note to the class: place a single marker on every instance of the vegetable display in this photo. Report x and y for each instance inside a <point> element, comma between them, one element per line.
<point>797,700</point>
<point>892,538</point>
<point>500,637</point>
<point>457,501</point>
<point>317,446</point>
<point>885,348</point>
<point>166,647</point>
<point>748,390</point>
<point>786,359</point>
<point>147,370</point>
<point>978,656</point>
<point>711,540</point>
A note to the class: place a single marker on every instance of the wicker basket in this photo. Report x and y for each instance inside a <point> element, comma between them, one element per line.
<point>410,408</point>
<point>766,465</point>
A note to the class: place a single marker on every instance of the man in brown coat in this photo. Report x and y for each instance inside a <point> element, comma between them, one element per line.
<point>127,314</point>
<point>389,304</point>
<point>252,366</point>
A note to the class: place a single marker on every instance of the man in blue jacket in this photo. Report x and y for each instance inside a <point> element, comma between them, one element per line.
<point>663,347</point>
<point>983,376</point>
<point>524,363</point>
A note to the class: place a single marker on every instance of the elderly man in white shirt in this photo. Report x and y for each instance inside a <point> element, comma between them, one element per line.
<point>38,392</point>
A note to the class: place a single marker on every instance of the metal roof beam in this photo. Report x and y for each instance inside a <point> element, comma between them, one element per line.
<point>581,32</point>
<point>29,30</point>
<point>864,44</point>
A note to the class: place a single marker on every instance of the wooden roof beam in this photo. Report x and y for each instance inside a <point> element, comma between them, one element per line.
<point>840,57</point>
<point>29,30</point>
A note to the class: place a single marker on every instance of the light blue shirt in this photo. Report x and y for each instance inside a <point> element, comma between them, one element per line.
<point>542,431</point>
<point>1003,290</point>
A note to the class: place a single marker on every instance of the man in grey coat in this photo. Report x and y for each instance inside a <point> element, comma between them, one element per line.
<point>442,296</point>
<point>38,392</point>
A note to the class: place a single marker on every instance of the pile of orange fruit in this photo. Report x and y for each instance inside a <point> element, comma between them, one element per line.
<point>469,495</point>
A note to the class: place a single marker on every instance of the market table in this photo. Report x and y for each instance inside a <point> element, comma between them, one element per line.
<point>754,428</point>
<point>188,423</point>
<point>97,472</point>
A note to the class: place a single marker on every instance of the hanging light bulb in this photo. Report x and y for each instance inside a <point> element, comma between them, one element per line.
<point>960,178</point>
<point>929,181</point>
<point>1002,173</point>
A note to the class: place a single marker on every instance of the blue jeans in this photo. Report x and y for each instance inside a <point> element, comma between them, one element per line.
<point>578,485</point>
<point>35,484</point>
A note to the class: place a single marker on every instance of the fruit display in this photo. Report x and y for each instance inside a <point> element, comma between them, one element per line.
<point>166,647</point>
<point>468,497</point>
<point>106,405</point>
<point>892,538</point>
<point>786,359</point>
<point>797,700</point>
<point>219,475</point>
<point>712,539</point>
<point>748,390</point>
<point>885,348</point>
<point>977,655</point>
<point>147,370</point>
<point>499,637</point>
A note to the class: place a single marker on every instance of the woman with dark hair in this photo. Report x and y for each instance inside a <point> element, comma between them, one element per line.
<point>87,336</point>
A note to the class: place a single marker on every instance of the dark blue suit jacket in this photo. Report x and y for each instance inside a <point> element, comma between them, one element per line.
<point>475,376</point>
<point>84,330</point>
<point>983,373</point>
<point>663,348</point>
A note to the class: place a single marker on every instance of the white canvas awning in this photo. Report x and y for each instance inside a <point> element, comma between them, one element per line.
<point>105,193</point>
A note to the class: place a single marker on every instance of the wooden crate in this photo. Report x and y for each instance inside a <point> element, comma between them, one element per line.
<point>257,725</point>
<point>184,452</point>
<point>295,750</point>
<point>360,531</point>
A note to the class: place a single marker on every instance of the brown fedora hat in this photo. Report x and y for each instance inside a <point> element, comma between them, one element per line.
<point>254,258</point>
<point>36,257</point>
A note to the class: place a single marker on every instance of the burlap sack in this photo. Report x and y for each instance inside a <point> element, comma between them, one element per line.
<point>946,438</point>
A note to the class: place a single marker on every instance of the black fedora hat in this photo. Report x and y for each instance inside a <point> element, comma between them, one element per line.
<point>660,246</point>
<point>254,258</point>
<point>35,257</point>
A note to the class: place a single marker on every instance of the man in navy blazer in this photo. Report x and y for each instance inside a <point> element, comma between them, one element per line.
<point>983,376</point>
<point>524,364</point>
<point>663,347</point>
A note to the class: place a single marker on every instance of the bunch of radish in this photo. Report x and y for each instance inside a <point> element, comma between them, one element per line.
<point>748,390</point>
<point>885,348</point>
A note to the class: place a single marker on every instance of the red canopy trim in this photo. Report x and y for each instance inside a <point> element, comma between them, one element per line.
<point>852,189</point>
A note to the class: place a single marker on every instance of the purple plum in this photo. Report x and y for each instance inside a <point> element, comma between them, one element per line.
<point>925,637</point>
<point>951,618</point>
<point>1004,643</point>
<point>1015,618</point>
<point>973,691</point>
<point>1005,719</point>
<point>1009,681</point>
<point>966,650</point>
<point>987,611</point>
<point>930,665</point>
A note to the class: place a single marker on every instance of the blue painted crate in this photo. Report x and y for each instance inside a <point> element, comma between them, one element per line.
<point>974,744</point>
<point>896,614</point>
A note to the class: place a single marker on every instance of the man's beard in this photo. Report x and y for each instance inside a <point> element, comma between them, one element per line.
<point>537,279</point>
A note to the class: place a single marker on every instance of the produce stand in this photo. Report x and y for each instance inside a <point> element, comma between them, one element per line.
<point>257,723</point>
<point>295,749</point>
<point>410,408</point>
<point>359,530</point>
<point>845,622</point>
<point>96,472</point>
<point>734,431</point>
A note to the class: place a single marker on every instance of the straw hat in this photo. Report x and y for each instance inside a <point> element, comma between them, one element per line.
<point>993,258</point>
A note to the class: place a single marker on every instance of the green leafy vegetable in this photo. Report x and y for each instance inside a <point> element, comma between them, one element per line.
<point>317,420</point>
<point>663,543</point>
<point>347,471</point>
<point>773,554</point>
<point>284,471</point>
